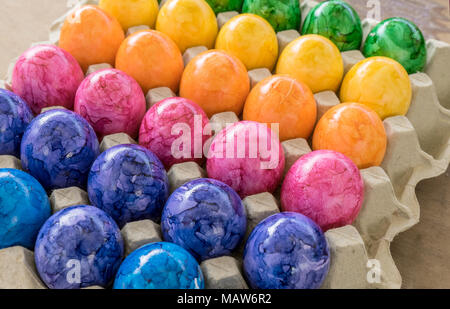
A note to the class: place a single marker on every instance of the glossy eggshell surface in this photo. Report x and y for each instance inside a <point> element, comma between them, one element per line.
<point>381,84</point>
<point>129,183</point>
<point>399,39</point>
<point>58,149</point>
<point>92,36</point>
<point>286,251</point>
<point>159,265</point>
<point>15,116</point>
<point>243,152</point>
<point>188,23</point>
<point>46,75</point>
<point>112,102</point>
<point>206,217</point>
<point>217,82</point>
<point>281,14</point>
<point>132,13</point>
<point>250,38</point>
<point>313,60</point>
<point>152,59</point>
<point>79,238</point>
<point>325,186</point>
<point>284,100</point>
<point>164,126</point>
<point>24,207</point>
<point>219,6</point>
<point>337,21</point>
<point>354,130</point>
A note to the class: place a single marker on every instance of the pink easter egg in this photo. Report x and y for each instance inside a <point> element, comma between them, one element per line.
<point>248,157</point>
<point>173,129</point>
<point>325,186</point>
<point>112,102</point>
<point>46,75</point>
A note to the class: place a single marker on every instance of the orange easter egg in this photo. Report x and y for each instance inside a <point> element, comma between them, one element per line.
<point>217,81</point>
<point>354,130</point>
<point>284,100</point>
<point>152,59</point>
<point>92,36</point>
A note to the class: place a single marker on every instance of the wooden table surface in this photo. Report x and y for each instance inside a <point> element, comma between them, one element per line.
<point>422,253</point>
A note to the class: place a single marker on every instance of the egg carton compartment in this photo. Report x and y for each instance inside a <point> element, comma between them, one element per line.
<point>418,148</point>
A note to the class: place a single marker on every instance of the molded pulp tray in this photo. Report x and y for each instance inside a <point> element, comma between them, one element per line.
<point>418,148</point>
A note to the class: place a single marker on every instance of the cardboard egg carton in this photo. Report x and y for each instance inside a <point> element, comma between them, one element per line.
<point>418,148</point>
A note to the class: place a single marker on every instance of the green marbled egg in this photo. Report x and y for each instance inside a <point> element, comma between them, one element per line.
<point>281,14</point>
<point>337,21</point>
<point>225,5</point>
<point>399,39</point>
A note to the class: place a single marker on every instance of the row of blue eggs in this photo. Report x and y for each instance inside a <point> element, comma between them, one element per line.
<point>202,219</point>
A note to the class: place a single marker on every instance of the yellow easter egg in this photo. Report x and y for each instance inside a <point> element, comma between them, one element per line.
<point>132,13</point>
<point>250,38</point>
<point>188,23</point>
<point>314,60</point>
<point>380,83</point>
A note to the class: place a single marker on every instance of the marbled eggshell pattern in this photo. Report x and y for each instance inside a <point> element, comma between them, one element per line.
<point>281,14</point>
<point>286,251</point>
<point>248,157</point>
<point>91,35</point>
<point>337,21</point>
<point>217,81</point>
<point>112,102</point>
<point>219,6</point>
<point>79,238</point>
<point>159,265</point>
<point>325,186</point>
<point>129,183</point>
<point>354,130</point>
<point>175,115</point>
<point>46,75</point>
<point>399,39</point>
<point>15,116</point>
<point>58,149</point>
<point>206,217</point>
<point>24,207</point>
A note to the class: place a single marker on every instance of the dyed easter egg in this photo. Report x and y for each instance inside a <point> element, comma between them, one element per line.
<point>354,130</point>
<point>219,6</point>
<point>92,36</point>
<point>15,115</point>
<point>46,75</point>
<point>217,81</point>
<point>24,207</point>
<point>152,59</point>
<point>337,21</point>
<point>325,186</point>
<point>129,183</point>
<point>112,102</point>
<point>132,13</point>
<point>206,217</point>
<point>78,247</point>
<point>284,100</point>
<point>188,23</point>
<point>163,131</point>
<point>314,60</point>
<point>244,152</point>
<point>399,39</point>
<point>282,15</point>
<point>286,251</point>
<point>250,38</point>
<point>379,83</point>
<point>58,149</point>
<point>159,265</point>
